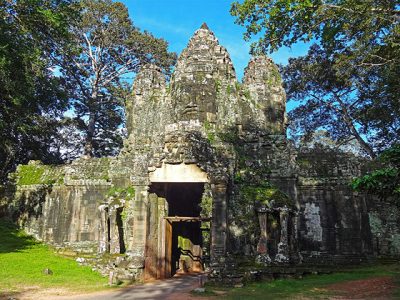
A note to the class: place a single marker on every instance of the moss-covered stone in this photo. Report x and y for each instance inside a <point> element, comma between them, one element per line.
<point>266,195</point>
<point>121,193</point>
<point>37,173</point>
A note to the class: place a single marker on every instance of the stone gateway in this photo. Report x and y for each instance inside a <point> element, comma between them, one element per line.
<point>206,180</point>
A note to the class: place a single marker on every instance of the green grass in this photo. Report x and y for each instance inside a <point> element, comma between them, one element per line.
<point>22,260</point>
<point>312,286</point>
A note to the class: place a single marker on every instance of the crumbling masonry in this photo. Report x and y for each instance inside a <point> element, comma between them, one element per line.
<point>206,180</point>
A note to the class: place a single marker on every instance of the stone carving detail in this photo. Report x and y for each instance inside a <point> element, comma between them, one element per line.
<point>313,222</point>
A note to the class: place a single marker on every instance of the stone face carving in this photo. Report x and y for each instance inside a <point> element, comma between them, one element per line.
<point>206,130</point>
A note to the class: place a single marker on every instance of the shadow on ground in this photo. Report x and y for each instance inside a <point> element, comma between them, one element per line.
<point>12,238</point>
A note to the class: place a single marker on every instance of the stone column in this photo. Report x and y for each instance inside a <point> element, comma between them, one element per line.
<point>283,247</point>
<point>218,223</point>
<point>114,234</point>
<point>151,255</point>
<point>262,246</point>
<point>103,229</point>
<point>161,263</point>
<point>295,240</point>
<point>138,244</point>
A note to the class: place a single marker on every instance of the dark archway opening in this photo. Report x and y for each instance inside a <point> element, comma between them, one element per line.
<point>185,242</point>
<point>120,227</point>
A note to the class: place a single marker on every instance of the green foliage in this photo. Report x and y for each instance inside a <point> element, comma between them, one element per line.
<point>384,182</point>
<point>210,132</point>
<point>331,100</point>
<point>103,46</point>
<point>217,84</point>
<point>121,193</point>
<point>391,156</point>
<point>32,99</point>
<point>379,180</point>
<point>339,25</point>
<point>22,260</point>
<point>349,81</point>
<point>265,194</point>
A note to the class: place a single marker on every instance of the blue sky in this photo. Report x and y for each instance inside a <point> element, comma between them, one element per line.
<point>177,20</point>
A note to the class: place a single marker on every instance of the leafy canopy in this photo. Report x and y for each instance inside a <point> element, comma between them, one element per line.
<point>348,83</point>
<point>32,99</point>
<point>384,182</point>
<point>368,26</point>
<point>341,104</point>
<point>104,46</point>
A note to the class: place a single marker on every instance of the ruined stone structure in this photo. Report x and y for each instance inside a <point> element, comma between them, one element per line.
<point>206,179</point>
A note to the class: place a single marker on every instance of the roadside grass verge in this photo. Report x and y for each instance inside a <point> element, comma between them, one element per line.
<point>22,260</point>
<point>309,287</point>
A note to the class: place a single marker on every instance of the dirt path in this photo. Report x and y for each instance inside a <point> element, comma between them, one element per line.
<point>177,288</point>
<point>372,288</point>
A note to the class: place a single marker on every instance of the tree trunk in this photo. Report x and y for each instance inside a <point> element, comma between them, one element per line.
<point>89,148</point>
<point>364,145</point>
<point>350,123</point>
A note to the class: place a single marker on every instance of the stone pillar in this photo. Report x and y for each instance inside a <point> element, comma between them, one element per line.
<point>295,239</point>
<point>151,255</point>
<point>161,262</point>
<point>283,247</point>
<point>114,234</point>
<point>139,211</point>
<point>262,246</point>
<point>218,223</point>
<point>103,229</point>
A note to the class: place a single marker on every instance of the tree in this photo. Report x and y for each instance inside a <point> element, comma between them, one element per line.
<point>31,100</point>
<point>320,140</point>
<point>105,46</point>
<point>327,100</point>
<point>367,27</point>
<point>351,74</point>
<point>384,181</point>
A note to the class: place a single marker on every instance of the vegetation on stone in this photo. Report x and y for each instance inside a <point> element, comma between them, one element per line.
<point>265,194</point>
<point>121,193</point>
<point>38,174</point>
<point>384,181</point>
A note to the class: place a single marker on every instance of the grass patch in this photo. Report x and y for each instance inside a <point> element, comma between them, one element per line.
<point>312,286</point>
<point>22,260</point>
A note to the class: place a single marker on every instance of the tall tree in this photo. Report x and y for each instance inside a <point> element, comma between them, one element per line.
<point>326,100</point>
<point>31,100</point>
<point>105,47</point>
<point>359,49</point>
